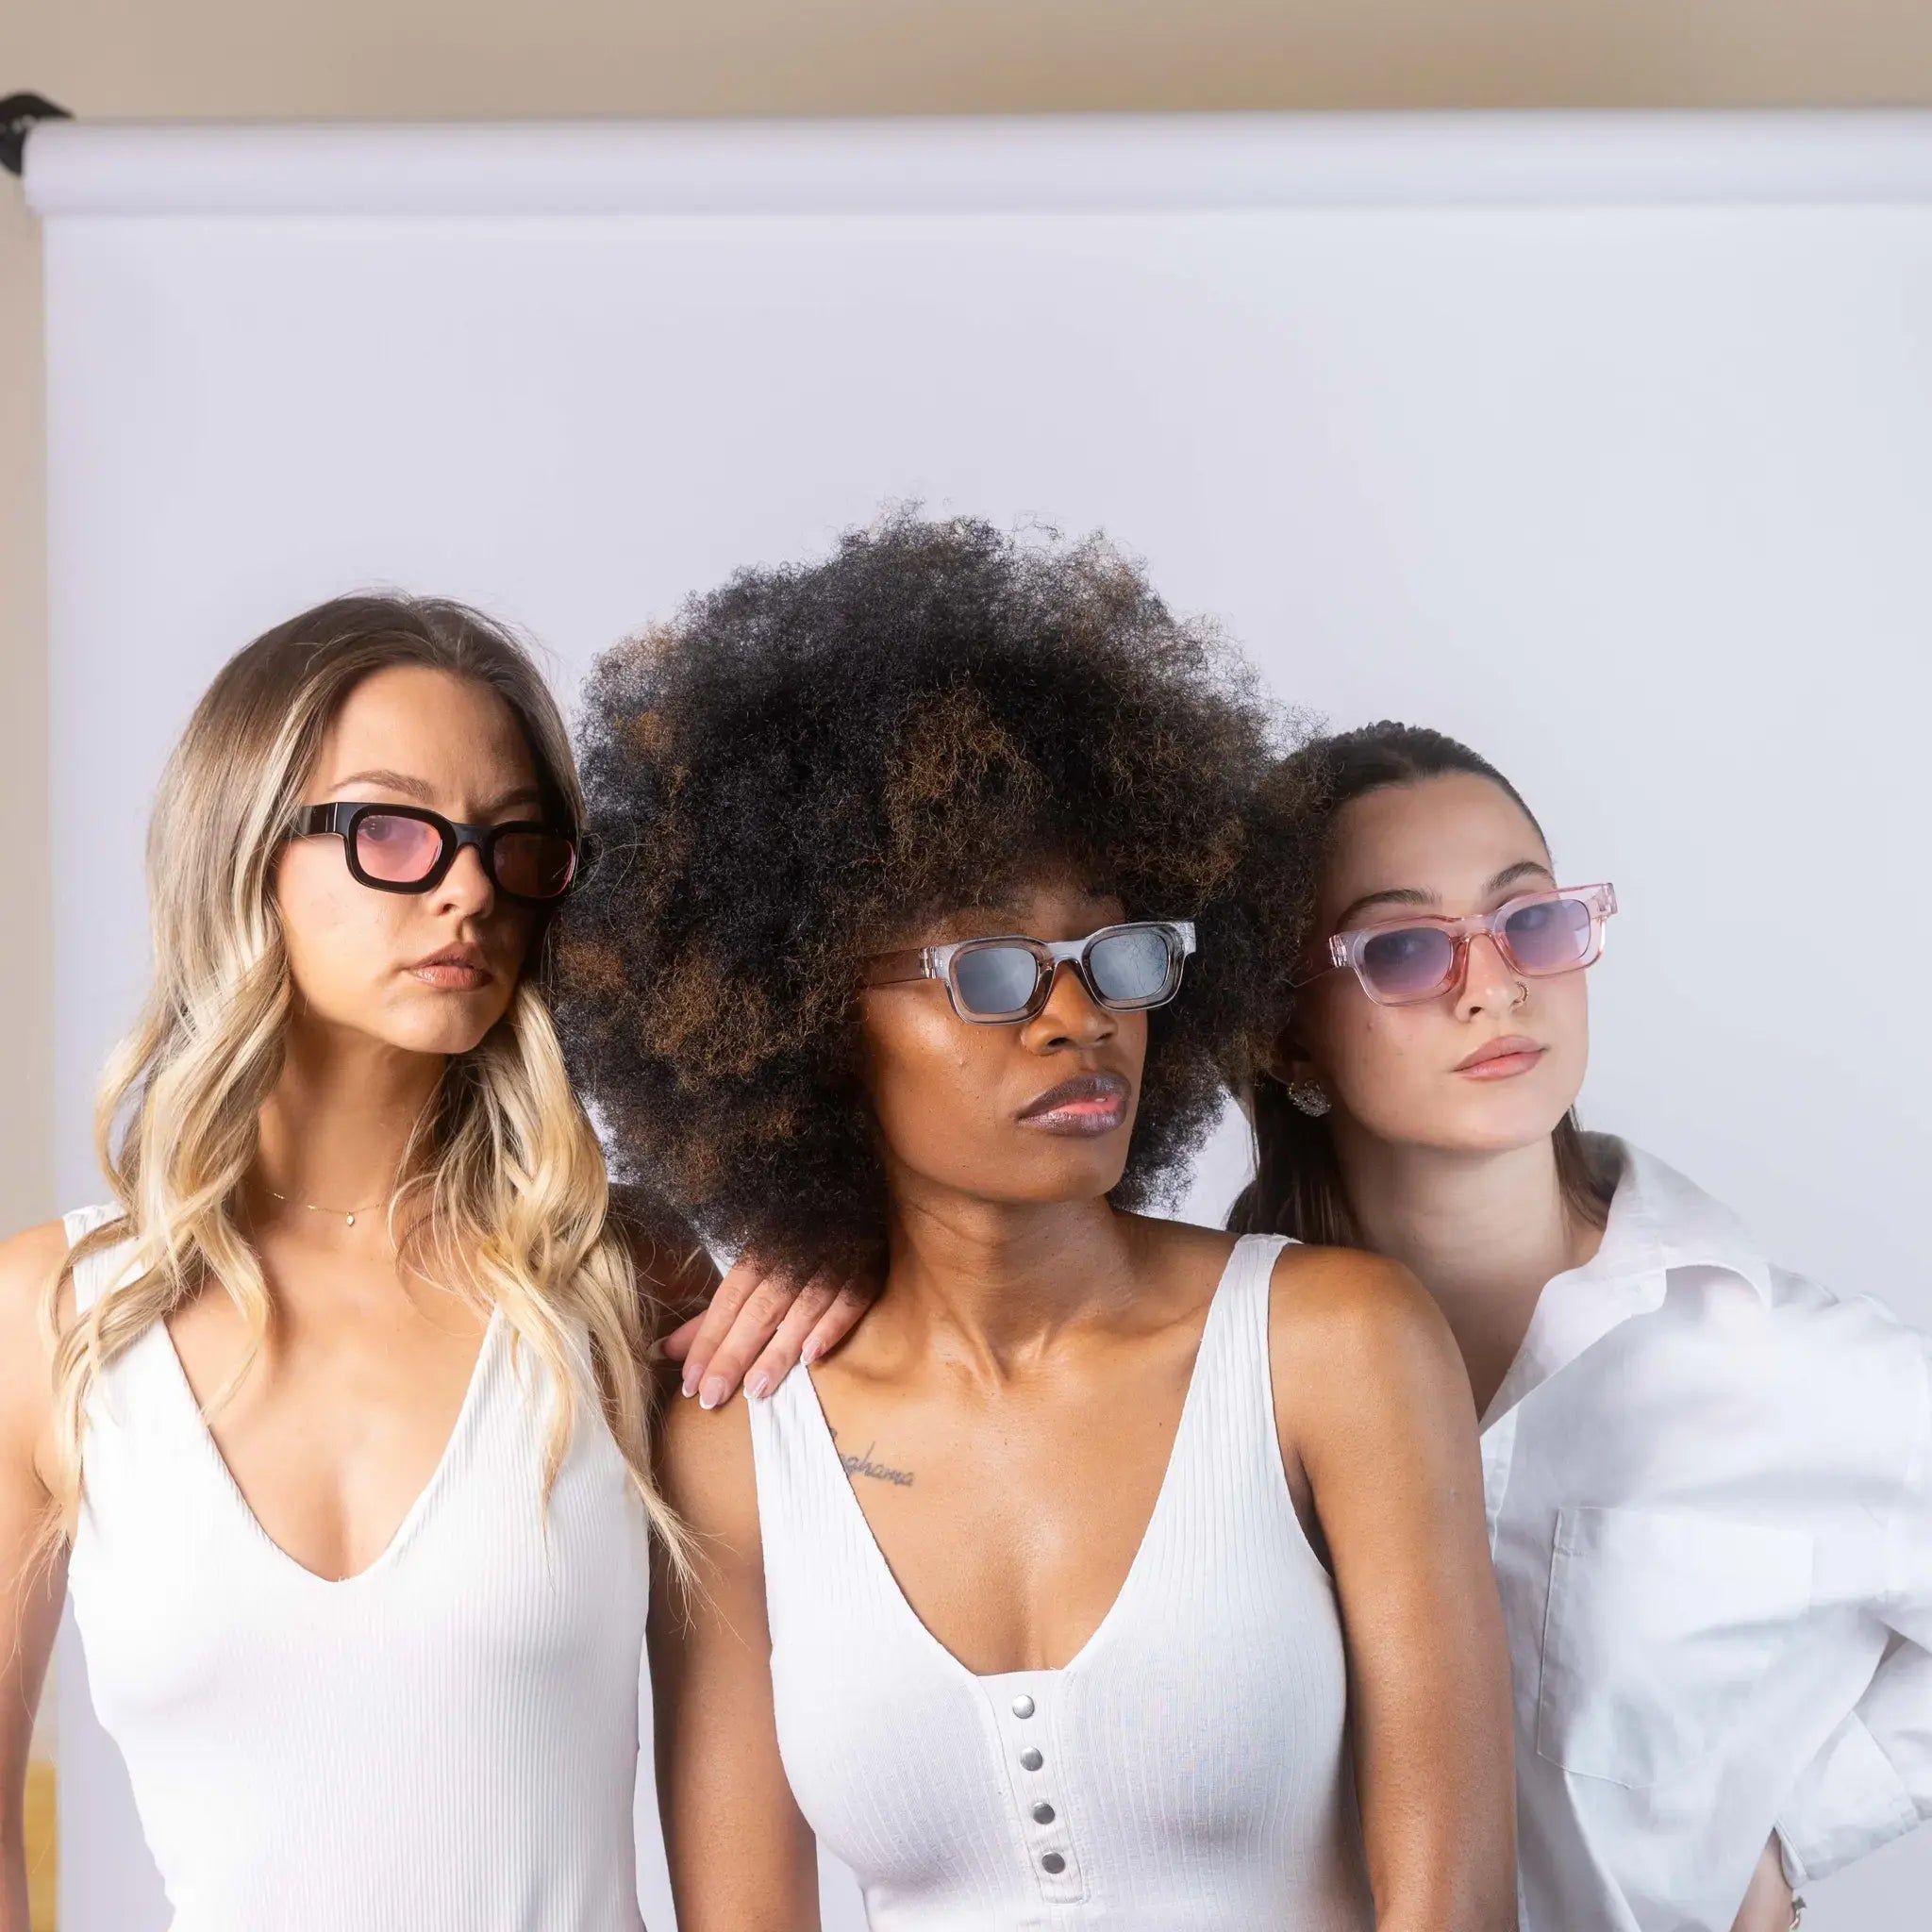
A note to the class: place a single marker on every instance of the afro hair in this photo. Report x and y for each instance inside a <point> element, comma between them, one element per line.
<point>805,764</point>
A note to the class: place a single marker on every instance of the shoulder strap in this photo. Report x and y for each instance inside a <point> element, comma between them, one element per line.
<point>1231,1394</point>
<point>809,1522</point>
<point>94,1274</point>
<point>1249,1291</point>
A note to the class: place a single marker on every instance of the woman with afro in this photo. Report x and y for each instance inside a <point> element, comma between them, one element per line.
<point>1117,1573</point>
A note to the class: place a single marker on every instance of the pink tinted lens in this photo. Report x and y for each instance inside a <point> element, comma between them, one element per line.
<point>1551,936</point>
<point>1408,962</point>
<point>397,849</point>
<point>535,865</point>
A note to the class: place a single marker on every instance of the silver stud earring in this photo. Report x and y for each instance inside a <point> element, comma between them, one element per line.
<point>1308,1098</point>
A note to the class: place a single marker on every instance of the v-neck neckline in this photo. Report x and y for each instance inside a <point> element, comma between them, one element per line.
<point>404,1531</point>
<point>1184,1431</point>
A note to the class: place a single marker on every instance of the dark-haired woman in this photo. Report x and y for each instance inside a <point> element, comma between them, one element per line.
<point>1708,1481</point>
<point>1116,1574</point>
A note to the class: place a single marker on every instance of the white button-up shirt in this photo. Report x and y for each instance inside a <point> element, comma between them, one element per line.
<point>1710,1495</point>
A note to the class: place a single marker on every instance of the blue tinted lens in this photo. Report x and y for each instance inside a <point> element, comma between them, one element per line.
<point>1549,937</point>
<point>995,981</point>
<point>1132,967</point>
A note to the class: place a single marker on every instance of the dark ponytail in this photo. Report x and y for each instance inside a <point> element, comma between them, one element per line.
<point>1297,1187</point>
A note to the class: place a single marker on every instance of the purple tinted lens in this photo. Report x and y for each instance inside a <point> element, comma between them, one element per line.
<point>400,850</point>
<point>535,865</point>
<point>1551,936</point>
<point>1408,962</point>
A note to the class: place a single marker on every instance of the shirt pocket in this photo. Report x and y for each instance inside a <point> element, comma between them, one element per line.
<point>1661,1626</point>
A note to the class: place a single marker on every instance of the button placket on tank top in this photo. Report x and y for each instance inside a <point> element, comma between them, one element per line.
<point>1022,1704</point>
<point>1132,1787</point>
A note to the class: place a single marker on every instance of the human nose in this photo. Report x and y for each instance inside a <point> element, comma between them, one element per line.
<point>1489,983</point>
<point>466,889</point>
<point>1071,1017</point>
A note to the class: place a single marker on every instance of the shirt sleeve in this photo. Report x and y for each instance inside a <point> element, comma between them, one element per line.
<point>1873,1780</point>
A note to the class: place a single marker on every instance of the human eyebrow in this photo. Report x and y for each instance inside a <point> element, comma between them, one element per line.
<point>389,781</point>
<point>1395,895</point>
<point>1523,868</point>
<point>517,795</point>
<point>424,794</point>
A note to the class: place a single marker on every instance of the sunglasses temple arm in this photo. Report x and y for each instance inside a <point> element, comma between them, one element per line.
<point>893,969</point>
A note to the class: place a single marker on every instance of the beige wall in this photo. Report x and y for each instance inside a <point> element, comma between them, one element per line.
<point>485,58</point>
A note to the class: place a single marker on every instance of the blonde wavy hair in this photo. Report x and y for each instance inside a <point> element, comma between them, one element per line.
<point>504,1196</point>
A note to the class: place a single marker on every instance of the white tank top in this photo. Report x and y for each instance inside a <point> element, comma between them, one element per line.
<point>1188,1772</point>
<point>446,1741</point>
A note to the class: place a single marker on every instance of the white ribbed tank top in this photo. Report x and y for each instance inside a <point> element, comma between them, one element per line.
<point>1189,1768</point>
<point>445,1742</point>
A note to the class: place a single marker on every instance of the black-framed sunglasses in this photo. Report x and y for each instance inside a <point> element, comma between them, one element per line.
<point>407,848</point>
<point>1126,968</point>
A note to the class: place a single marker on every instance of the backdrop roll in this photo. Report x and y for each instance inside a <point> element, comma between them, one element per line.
<point>1603,442</point>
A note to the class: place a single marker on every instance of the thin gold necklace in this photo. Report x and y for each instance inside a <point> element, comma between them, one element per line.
<point>348,1214</point>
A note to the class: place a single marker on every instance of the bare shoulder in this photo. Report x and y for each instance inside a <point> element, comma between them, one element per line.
<point>29,1262</point>
<point>673,1264</point>
<point>1357,1322</point>
<point>1182,1252</point>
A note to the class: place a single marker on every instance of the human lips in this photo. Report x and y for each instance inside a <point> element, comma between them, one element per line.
<point>1501,1059</point>
<point>1089,1104</point>
<point>455,969</point>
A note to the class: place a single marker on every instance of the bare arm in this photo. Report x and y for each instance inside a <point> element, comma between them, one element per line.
<point>741,1857</point>
<point>1372,1397</point>
<point>753,1327</point>
<point>674,1268</point>
<point>32,1585</point>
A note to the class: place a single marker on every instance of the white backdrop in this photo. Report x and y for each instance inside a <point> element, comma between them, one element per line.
<point>1604,443</point>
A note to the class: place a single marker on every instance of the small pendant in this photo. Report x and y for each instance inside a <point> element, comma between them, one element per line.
<point>352,1221</point>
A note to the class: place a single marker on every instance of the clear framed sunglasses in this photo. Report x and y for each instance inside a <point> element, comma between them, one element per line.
<point>407,848</point>
<point>1539,935</point>
<point>999,981</point>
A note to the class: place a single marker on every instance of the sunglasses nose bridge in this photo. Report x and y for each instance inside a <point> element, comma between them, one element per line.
<point>1464,972</point>
<point>1092,1011</point>
<point>465,847</point>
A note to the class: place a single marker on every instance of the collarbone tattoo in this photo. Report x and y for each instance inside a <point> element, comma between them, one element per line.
<point>862,1464</point>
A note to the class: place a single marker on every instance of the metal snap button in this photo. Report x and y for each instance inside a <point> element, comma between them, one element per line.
<point>1043,1814</point>
<point>1031,1758</point>
<point>1053,1862</point>
<point>1023,1705</point>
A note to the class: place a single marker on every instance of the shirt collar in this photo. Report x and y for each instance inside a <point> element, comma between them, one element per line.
<point>1657,1221</point>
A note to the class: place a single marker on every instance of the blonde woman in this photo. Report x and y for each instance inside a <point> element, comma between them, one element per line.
<point>334,1423</point>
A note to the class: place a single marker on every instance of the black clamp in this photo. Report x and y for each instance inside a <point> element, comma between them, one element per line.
<point>19,115</point>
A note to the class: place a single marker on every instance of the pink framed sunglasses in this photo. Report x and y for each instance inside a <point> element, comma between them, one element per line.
<point>1539,935</point>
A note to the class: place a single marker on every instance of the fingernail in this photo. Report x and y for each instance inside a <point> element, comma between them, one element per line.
<point>712,1394</point>
<point>810,1353</point>
<point>690,1387</point>
<point>756,1385</point>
